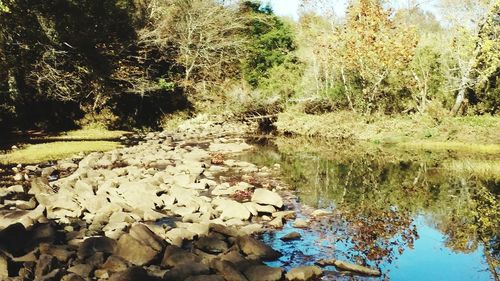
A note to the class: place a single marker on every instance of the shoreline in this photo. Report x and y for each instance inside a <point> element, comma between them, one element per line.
<point>108,205</point>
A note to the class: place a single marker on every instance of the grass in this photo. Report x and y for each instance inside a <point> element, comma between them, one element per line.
<point>88,134</point>
<point>38,153</point>
<point>482,168</point>
<point>475,134</point>
<point>456,146</point>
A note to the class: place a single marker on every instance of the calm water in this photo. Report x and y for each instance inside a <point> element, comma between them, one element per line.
<point>414,215</point>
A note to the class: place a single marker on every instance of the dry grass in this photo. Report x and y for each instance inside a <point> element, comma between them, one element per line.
<point>472,134</point>
<point>44,152</point>
<point>89,134</point>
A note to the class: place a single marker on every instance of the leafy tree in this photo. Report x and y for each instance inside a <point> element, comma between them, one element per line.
<point>377,55</point>
<point>270,42</point>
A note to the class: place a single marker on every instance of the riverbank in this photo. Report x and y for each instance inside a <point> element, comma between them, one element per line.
<point>475,134</point>
<point>39,148</point>
<point>173,207</point>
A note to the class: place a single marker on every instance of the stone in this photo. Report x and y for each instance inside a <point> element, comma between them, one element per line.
<point>227,270</point>
<point>263,273</point>
<point>342,265</point>
<point>114,264</point>
<point>83,270</point>
<point>231,209</point>
<point>132,274</point>
<point>228,231</point>
<point>267,197</point>
<point>205,278</point>
<point>321,212</point>
<point>301,223</point>
<point>4,271</point>
<point>303,273</point>
<point>60,252</point>
<point>72,277</point>
<point>276,222</point>
<point>44,265</point>
<point>252,228</point>
<point>184,271</point>
<point>143,234</point>
<point>96,244</point>
<point>291,236</point>
<point>135,251</point>
<point>48,171</point>
<point>253,247</point>
<point>211,245</point>
<point>177,235</point>
<point>174,256</point>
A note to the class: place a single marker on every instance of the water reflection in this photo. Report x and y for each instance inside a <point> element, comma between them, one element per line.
<point>407,213</point>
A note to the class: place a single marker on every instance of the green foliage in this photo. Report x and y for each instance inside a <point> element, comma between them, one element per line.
<point>271,43</point>
<point>486,70</point>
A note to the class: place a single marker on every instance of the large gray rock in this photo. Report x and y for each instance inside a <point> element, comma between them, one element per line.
<point>174,256</point>
<point>142,233</point>
<point>267,197</point>
<point>253,247</point>
<point>263,273</point>
<point>227,270</point>
<point>92,245</point>
<point>205,278</point>
<point>211,245</point>
<point>135,251</point>
<point>303,273</point>
<point>183,271</point>
<point>231,209</point>
<point>133,274</point>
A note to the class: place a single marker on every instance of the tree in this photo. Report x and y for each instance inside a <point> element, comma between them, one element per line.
<point>203,36</point>
<point>270,42</point>
<point>377,54</point>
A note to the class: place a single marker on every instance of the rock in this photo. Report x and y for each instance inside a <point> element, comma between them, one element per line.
<point>251,229</point>
<point>263,273</point>
<point>291,236</point>
<point>83,270</point>
<point>321,212</point>
<point>135,251</point>
<point>176,256</point>
<point>205,278</point>
<point>303,273</point>
<point>92,245</point>
<point>60,252</point>
<point>183,271</point>
<point>177,235</point>
<point>211,245</point>
<point>114,264</point>
<point>227,270</point>
<point>101,274</point>
<point>231,209</point>
<point>44,265</point>
<point>16,188</point>
<point>48,171</point>
<point>228,147</point>
<point>18,177</point>
<point>276,222</point>
<point>253,247</point>
<point>132,274</point>
<point>228,231</point>
<point>142,233</point>
<point>4,272</point>
<point>301,223</point>
<point>267,197</point>
<point>342,265</point>
<point>72,277</point>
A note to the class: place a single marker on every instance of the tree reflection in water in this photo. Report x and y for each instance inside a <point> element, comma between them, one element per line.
<point>376,193</point>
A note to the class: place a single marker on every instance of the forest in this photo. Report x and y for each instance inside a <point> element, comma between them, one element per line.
<point>136,64</point>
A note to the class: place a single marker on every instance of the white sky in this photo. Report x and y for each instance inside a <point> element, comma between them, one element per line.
<point>290,8</point>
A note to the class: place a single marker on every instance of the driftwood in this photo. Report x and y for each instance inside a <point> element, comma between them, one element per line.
<point>342,265</point>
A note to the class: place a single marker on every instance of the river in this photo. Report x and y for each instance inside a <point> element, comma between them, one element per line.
<point>412,214</point>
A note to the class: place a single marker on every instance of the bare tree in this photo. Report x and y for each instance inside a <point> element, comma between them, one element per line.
<point>203,35</point>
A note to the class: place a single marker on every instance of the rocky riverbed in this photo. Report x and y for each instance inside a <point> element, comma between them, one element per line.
<point>176,206</point>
